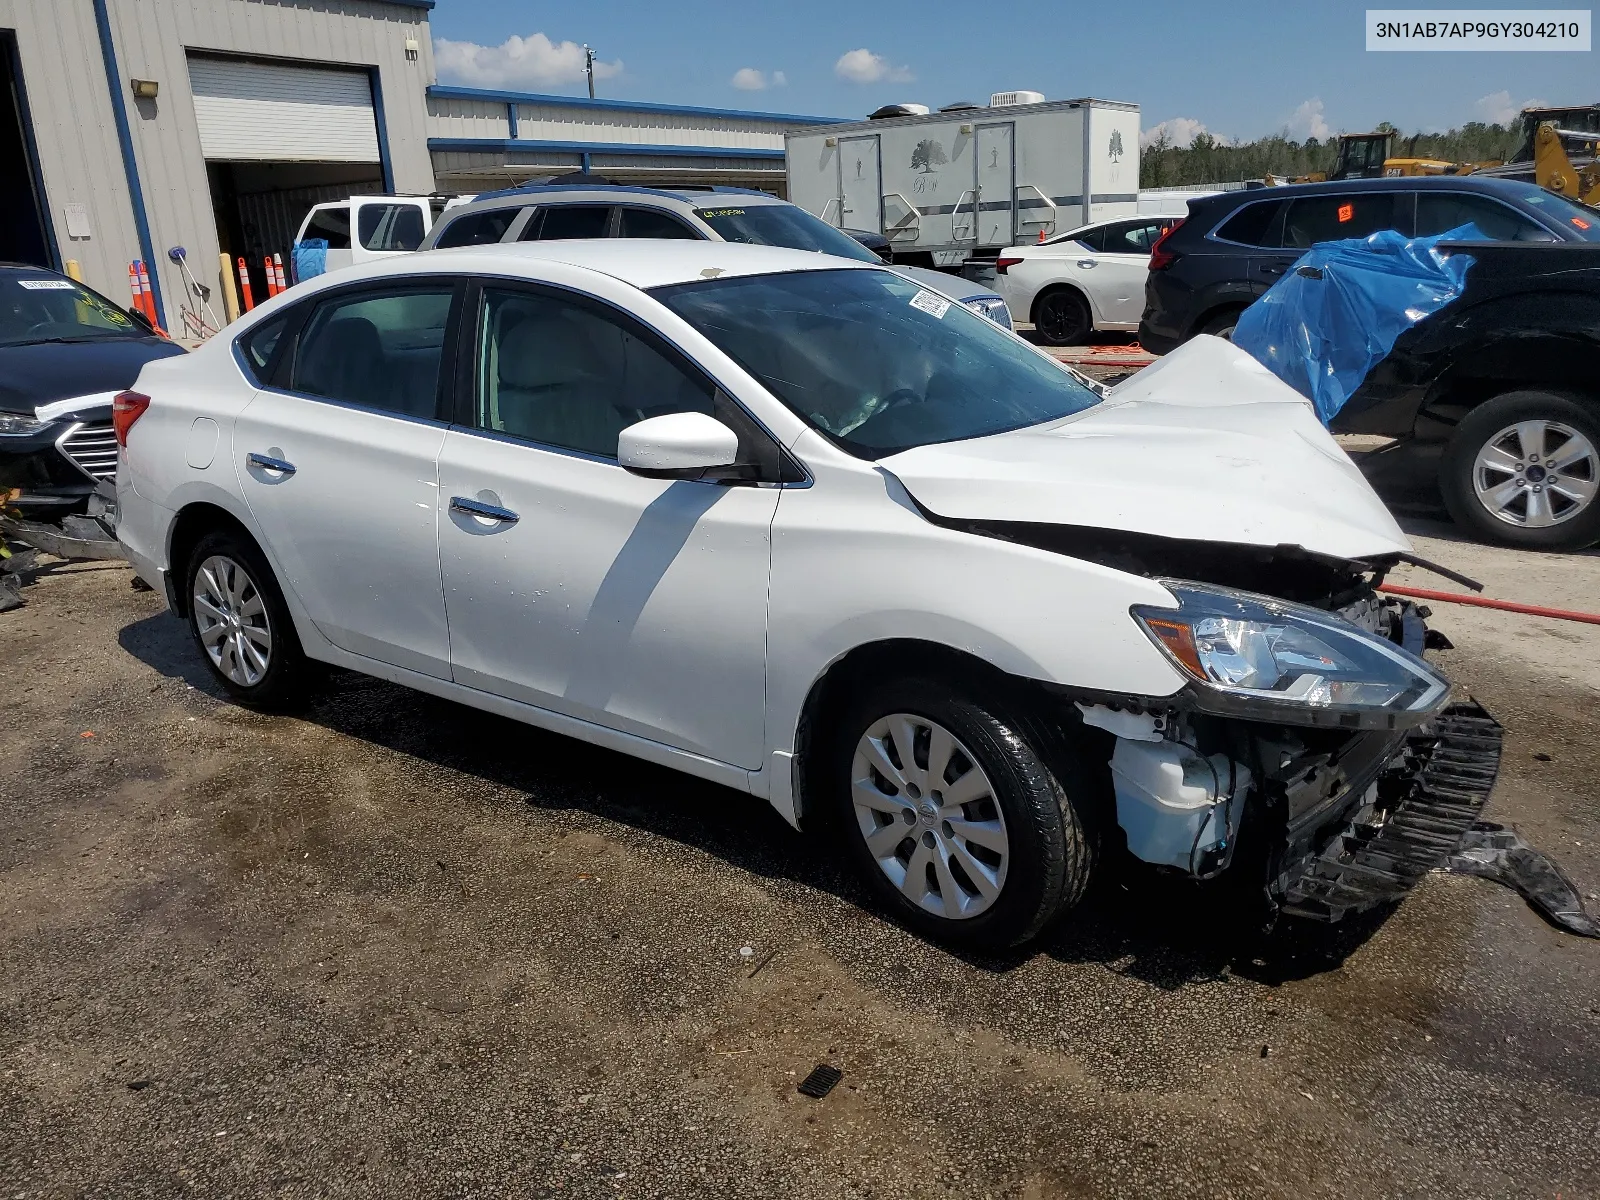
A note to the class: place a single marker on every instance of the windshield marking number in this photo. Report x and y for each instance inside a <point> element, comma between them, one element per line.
<point>48,285</point>
<point>934,306</point>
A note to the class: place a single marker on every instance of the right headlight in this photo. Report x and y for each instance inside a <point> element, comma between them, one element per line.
<point>1266,659</point>
<point>18,425</point>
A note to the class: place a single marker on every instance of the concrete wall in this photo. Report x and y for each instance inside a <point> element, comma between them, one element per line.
<point>75,131</point>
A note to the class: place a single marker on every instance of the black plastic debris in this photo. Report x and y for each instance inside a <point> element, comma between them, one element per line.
<point>821,1081</point>
<point>139,1085</point>
<point>1494,852</point>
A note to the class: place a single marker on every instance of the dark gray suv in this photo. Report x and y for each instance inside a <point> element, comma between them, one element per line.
<point>556,211</point>
<point>1234,245</point>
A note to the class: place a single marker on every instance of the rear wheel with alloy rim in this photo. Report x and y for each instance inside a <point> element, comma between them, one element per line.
<point>1524,469</point>
<point>1061,318</point>
<point>241,624</point>
<point>955,817</point>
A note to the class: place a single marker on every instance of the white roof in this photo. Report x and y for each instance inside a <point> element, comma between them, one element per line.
<point>640,262</point>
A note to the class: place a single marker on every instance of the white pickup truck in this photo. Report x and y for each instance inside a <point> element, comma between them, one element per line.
<point>364,229</point>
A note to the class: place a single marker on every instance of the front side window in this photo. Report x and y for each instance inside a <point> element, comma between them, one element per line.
<point>332,225</point>
<point>378,350</point>
<point>390,226</point>
<point>477,229</point>
<point>1439,212</point>
<point>876,362</point>
<point>564,222</point>
<point>782,225</point>
<point>563,374</point>
<point>1313,219</point>
<point>1579,220</point>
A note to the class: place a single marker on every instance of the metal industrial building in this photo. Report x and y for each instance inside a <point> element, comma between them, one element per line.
<point>128,127</point>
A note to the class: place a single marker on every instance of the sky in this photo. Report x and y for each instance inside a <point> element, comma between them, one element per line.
<point>1239,69</point>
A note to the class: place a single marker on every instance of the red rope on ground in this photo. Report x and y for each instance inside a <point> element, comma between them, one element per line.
<point>1532,610</point>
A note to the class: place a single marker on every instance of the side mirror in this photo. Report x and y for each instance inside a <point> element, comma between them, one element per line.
<point>677,446</point>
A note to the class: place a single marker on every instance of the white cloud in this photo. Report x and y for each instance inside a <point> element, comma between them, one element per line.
<point>779,79</point>
<point>1497,108</point>
<point>1180,131</point>
<point>1308,121</point>
<point>863,66</point>
<point>533,61</point>
<point>748,79</point>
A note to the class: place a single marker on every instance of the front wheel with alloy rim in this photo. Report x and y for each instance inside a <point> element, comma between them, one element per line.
<point>241,624</point>
<point>1524,469</point>
<point>1061,318</point>
<point>956,819</point>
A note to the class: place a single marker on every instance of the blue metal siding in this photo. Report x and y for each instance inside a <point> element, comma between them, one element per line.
<point>444,92</point>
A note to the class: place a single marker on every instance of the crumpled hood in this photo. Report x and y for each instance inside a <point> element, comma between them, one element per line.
<point>1205,445</point>
<point>43,372</point>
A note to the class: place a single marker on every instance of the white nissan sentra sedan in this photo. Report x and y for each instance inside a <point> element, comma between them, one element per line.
<point>797,526</point>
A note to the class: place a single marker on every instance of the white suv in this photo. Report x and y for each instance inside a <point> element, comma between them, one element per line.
<point>798,526</point>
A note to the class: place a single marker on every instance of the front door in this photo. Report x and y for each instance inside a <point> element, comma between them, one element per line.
<point>572,584</point>
<point>338,466</point>
<point>996,186</point>
<point>860,195</point>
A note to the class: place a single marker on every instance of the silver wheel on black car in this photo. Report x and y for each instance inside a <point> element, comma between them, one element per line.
<point>1524,468</point>
<point>967,814</point>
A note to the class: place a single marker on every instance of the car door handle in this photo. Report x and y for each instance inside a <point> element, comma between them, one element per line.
<point>489,512</point>
<point>1086,262</point>
<point>267,463</point>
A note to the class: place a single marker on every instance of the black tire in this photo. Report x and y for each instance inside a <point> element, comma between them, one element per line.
<point>1039,785</point>
<point>1221,324</point>
<point>1577,525</point>
<point>288,674</point>
<point>1061,318</point>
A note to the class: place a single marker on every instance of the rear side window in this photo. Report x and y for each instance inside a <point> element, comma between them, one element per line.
<point>1313,219</point>
<point>652,223</point>
<point>477,229</point>
<point>332,225</point>
<point>259,344</point>
<point>1439,212</point>
<point>1094,240</point>
<point>380,350</point>
<point>1252,225</point>
<point>568,221</point>
<point>390,226</point>
<point>1133,237</point>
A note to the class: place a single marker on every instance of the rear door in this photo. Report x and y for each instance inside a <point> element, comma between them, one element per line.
<point>564,222</point>
<point>1334,216</point>
<point>329,223</point>
<point>1121,265</point>
<point>338,461</point>
<point>860,184</point>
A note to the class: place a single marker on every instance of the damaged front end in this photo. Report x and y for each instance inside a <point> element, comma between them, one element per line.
<point>59,472</point>
<point>1312,751</point>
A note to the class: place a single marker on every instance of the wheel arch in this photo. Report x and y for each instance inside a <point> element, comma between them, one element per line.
<point>193,522</point>
<point>910,656</point>
<point>1062,285</point>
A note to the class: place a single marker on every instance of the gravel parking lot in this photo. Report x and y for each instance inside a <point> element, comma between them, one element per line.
<point>392,946</point>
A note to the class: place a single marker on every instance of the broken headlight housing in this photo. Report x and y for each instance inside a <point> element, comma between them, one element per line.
<point>18,425</point>
<point>1266,659</point>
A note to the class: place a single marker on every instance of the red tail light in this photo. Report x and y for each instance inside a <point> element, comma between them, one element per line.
<point>1000,264</point>
<point>127,408</point>
<point>1160,257</point>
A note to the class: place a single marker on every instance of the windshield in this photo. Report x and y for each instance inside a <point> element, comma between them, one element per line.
<point>1579,220</point>
<point>782,225</point>
<point>876,362</point>
<point>45,308</point>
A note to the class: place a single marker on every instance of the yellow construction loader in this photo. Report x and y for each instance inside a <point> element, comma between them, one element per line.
<point>1552,165</point>
<point>1366,156</point>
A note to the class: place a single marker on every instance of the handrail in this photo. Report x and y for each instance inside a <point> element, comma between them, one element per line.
<point>955,211</point>
<point>832,200</point>
<point>1023,210</point>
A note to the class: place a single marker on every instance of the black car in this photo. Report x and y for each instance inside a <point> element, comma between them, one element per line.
<point>1496,398</point>
<point>1234,245</point>
<point>65,351</point>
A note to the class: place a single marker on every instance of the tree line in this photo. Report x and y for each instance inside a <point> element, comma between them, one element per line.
<point>1212,160</point>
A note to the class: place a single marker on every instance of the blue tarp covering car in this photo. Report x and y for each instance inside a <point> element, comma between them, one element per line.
<point>1338,311</point>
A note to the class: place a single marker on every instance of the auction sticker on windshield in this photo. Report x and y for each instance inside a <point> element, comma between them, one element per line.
<point>934,306</point>
<point>48,285</point>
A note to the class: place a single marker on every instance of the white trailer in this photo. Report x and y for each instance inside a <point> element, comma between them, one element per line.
<point>952,185</point>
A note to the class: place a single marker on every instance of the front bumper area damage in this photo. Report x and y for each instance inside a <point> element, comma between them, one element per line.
<point>1412,818</point>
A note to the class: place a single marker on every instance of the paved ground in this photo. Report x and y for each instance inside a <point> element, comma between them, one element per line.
<point>394,947</point>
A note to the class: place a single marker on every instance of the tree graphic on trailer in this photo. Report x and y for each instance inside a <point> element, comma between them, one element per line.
<point>927,156</point>
<point>1116,145</point>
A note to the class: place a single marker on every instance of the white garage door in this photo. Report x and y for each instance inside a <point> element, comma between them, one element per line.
<point>265,111</point>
